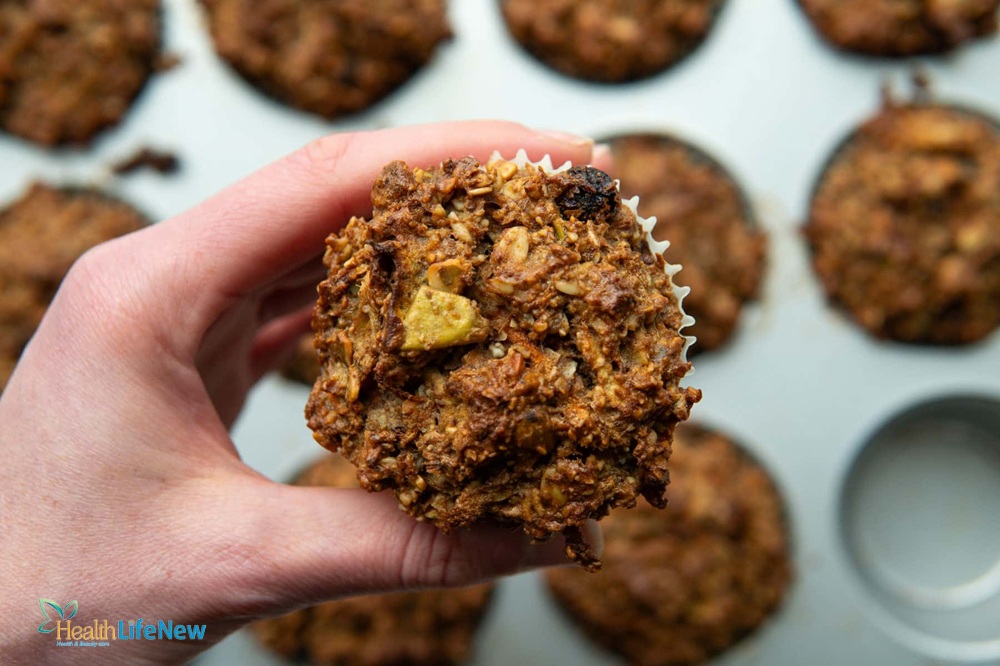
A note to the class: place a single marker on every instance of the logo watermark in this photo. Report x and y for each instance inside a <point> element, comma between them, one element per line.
<point>100,633</point>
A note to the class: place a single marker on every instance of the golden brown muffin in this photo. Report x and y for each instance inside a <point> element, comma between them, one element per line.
<point>426,628</point>
<point>683,584</point>
<point>328,57</point>
<point>41,235</point>
<point>898,28</point>
<point>707,219</point>
<point>904,225</point>
<point>500,343</point>
<point>611,41</point>
<point>70,68</point>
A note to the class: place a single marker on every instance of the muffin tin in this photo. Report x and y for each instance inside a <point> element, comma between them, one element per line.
<point>888,455</point>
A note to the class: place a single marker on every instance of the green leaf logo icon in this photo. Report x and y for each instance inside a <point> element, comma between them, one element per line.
<point>53,612</point>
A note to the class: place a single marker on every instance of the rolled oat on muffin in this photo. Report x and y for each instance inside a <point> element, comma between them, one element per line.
<point>499,342</point>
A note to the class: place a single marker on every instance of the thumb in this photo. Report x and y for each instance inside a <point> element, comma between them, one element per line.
<point>330,542</point>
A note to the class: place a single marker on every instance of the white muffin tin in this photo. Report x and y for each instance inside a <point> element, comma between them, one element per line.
<point>897,542</point>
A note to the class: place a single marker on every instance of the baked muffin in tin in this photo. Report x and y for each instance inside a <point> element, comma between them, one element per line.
<point>610,41</point>
<point>900,28</point>
<point>709,222</point>
<point>71,68</point>
<point>41,235</point>
<point>328,57</point>
<point>904,224</point>
<point>682,584</point>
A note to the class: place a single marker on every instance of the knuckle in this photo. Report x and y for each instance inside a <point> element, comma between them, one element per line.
<point>324,155</point>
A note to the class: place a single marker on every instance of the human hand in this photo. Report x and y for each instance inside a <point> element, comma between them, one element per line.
<point>120,486</point>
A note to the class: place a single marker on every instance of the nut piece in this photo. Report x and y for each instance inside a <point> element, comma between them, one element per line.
<point>447,275</point>
<point>438,319</point>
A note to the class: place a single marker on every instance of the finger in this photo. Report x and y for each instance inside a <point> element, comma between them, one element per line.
<point>277,218</point>
<point>276,342</point>
<point>333,542</point>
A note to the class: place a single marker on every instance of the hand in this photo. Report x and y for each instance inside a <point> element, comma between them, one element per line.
<point>120,486</point>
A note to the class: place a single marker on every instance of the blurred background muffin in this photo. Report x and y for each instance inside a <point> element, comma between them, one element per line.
<point>701,210</point>
<point>328,58</point>
<point>904,225</point>
<point>611,41</point>
<point>684,583</point>
<point>70,68</point>
<point>41,235</point>
<point>898,28</point>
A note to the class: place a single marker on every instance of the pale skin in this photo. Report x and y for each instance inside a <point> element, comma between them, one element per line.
<point>119,484</point>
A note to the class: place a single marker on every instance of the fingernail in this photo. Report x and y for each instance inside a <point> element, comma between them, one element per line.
<point>601,156</point>
<point>571,139</point>
<point>595,537</point>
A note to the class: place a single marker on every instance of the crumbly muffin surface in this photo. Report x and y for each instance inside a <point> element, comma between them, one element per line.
<point>683,584</point>
<point>610,40</point>
<point>898,28</point>
<point>425,628</point>
<point>499,342</point>
<point>904,225</point>
<point>41,235</point>
<point>328,57</point>
<point>700,209</point>
<point>70,68</point>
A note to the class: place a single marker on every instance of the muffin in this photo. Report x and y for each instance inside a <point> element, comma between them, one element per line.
<point>707,218</point>
<point>904,225</point>
<point>71,68</point>
<point>900,28</point>
<point>426,628</point>
<point>499,342</point>
<point>303,366</point>
<point>683,584</point>
<point>41,235</point>
<point>328,57</point>
<point>610,41</point>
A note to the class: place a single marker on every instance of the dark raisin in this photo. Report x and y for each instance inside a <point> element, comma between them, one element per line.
<point>589,193</point>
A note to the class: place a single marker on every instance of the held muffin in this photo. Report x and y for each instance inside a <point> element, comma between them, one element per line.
<point>71,68</point>
<point>900,28</point>
<point>904,225</point>
<point>328,57</point>
<point>426,628</point>
<point>708,220</point>
<point>41,235</point>
<point>610,41</point>
<point>683,584</point>
<point>500,342</point>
